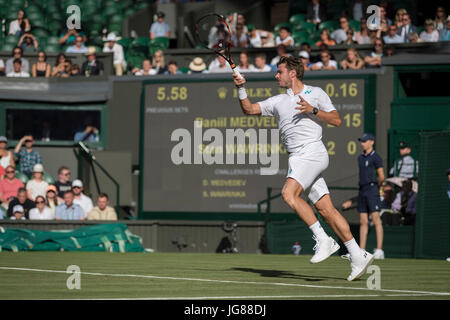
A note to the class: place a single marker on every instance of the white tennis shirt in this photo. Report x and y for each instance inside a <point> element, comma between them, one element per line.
<point>297,130</point>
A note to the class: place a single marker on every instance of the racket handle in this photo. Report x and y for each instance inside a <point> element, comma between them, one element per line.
<point>236,72</point>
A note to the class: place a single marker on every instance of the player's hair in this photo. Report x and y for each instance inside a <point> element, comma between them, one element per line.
<point>293,63</point>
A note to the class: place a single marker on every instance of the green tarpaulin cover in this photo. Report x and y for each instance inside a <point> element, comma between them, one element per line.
<point>100,237</point>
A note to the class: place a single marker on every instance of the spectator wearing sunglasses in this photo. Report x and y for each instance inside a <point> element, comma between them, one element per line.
<point>17,54</point>
<point>27,157</point>
<point>429,34</point>
<point>392,36</point>
<point>325,62</point>
<point>63,184</point>
<point>9,186</point>
<point>80,198</point>
<point>373,60</point>
<point>41,212</point>
<point>406,28</point>
<point>41,68</point>
<point>23,200</point>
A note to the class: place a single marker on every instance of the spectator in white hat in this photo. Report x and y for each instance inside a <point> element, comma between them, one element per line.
<point>111,45</point>
<point>304,56</point>
<point>80,198</point>
<point>37,186</point>
<point>18,213</point>
<point>197,66</point>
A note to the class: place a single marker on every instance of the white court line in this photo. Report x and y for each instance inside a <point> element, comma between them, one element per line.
<point>272,297</point>
<point>231,281</point>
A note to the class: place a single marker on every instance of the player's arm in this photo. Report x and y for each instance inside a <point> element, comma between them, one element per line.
<point>247,106</point>
<point>331,117</point>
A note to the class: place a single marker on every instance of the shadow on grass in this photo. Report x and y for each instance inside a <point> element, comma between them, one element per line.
<point>285,274</point>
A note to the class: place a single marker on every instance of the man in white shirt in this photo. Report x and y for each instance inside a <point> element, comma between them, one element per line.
<point>326,63</point>
<point>111,45</point>
<point>340,35</point>
<point>260,63</point>
<point>80,198</point>
<point>300,113</point>
<point>17,70</point>
<point>219,65</point>
<point>146,70</point>
<point>284,37</point>
<point>17,54</point>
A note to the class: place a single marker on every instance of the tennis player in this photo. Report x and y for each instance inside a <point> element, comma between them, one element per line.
<point>300,113</point>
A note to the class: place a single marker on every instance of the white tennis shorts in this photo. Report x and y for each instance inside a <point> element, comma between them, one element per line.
<point>306,166</point>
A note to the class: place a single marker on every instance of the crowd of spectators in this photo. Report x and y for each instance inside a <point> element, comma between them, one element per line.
<point>41,198</point>
<point>392,28</point>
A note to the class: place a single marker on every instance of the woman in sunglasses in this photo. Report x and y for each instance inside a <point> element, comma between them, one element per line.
<point>52,198</point>
<point>41,68</point>
<point>41,212</point>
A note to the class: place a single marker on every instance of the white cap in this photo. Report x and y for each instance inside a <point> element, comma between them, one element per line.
<point>112,37</point>
<point>38,168</point>
<point>18,208</point>
<point>304,54</point>
<point>77,183</point>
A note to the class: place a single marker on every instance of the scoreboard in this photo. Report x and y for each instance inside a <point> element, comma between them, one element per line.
<point>202,154</point>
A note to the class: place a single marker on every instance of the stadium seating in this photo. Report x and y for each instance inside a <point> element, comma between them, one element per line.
<point>22,177</point>
<point>283,24</point>
<point>330,25</point>
<point>48,178</point>
<point>355,25</point>
<point>297,19</point>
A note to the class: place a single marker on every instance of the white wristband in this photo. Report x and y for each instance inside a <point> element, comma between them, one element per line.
<point>242,93</point>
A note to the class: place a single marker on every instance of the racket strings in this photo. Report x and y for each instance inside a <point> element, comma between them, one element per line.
<point>212,32</point>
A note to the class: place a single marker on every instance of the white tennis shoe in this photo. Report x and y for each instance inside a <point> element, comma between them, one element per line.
<point>378,254</point>
<point>359,264</point>
<point>323,249</point>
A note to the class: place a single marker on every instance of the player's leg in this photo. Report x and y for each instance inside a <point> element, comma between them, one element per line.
<point>334,219</point>
<point>359,259</point>
<point>291,195</point>
<point>291,192</point>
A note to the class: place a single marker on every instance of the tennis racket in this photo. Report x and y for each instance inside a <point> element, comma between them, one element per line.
<point>214,33</point>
